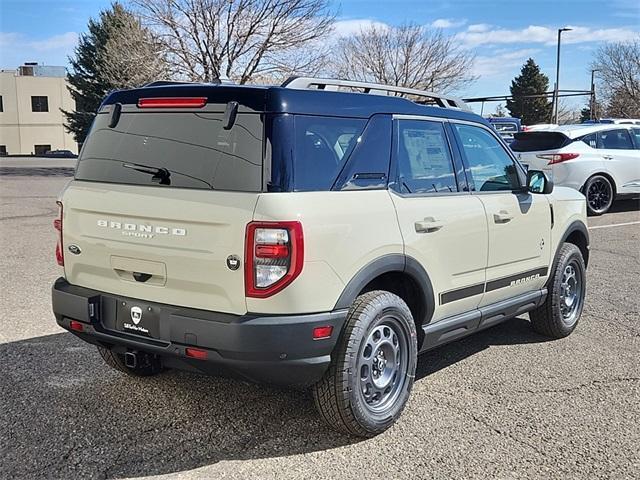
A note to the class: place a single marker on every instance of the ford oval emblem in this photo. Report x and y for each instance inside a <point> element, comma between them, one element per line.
<point>75,249</point>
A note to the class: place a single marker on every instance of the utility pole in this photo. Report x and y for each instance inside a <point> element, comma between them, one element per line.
<point>556,91</point>
<point>592,104</point>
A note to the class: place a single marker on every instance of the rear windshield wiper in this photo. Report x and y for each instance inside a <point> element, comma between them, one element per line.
<point>160,174</point>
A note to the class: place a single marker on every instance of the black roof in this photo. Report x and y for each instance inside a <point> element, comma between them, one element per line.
<point>289,100</point>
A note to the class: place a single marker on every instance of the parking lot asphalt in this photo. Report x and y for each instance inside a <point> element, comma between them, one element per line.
<point>504,403</point>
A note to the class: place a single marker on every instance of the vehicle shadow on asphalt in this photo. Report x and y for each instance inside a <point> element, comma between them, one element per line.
<point>66,414</point>
<point>627,205</point>
<point>516,331</point>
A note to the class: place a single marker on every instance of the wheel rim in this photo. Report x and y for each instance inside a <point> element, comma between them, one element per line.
<point>599,195</point>
<point>382,364</point>
<point>571,293</point>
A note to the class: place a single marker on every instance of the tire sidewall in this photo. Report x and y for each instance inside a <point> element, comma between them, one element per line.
<point>568,253</point>
<point>389,304</point>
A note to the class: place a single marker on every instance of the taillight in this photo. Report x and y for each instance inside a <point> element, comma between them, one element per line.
<point>57,224</point>
<point>172,102</point>
<point>558,157</point>
<point>274,255</point>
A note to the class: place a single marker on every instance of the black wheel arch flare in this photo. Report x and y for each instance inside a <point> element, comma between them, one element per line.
<point>386,264</point>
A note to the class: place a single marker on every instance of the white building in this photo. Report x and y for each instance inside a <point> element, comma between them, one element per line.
<point>30,118</point>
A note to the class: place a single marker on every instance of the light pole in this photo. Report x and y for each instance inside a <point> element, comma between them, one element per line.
<point>592,109</point>
<point>557,89</point>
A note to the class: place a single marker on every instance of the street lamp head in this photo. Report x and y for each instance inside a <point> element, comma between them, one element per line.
<point>565,29</point>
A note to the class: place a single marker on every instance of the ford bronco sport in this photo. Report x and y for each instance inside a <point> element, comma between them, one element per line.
<point>307,235</point>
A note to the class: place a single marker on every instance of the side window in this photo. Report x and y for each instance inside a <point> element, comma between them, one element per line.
<point>636,137</point>
<point>616,140</point>
<point>368,164</point>
<point>423,158</point>
<point>322,145</point>
<point>591,140</point>
<point>490,166</point>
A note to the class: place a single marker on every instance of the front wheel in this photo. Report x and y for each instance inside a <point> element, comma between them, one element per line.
<point>371,374</point>
<point>558,316</point>
<point>599,193</point>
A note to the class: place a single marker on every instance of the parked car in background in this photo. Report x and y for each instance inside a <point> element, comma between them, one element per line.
<point>600,160</point>
<point>60,154</point>
<point>539,126</point>
<point>617,121</point>
<point>506,127</point>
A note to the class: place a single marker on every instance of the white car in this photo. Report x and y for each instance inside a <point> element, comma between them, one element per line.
<point>601,160</point>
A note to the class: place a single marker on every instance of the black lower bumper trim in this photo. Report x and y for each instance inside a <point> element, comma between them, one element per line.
<point>272,349</point>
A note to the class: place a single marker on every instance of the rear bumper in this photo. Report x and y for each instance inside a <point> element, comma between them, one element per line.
<point>271,349</point>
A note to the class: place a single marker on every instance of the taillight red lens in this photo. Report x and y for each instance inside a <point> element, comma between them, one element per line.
<point>57,224</point>
<point>272,251</point>
<point>558,157</point>
<point>171,102</point>
<point>274,256</point>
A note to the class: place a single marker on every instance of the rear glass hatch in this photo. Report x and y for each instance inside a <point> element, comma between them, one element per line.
<point>166,182</point>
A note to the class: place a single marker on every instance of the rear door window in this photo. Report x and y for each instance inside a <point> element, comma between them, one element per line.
<point>322,145</point>
<point>423,158</point>
<point>618,139</point>
<point>636,137</point>
<point>175,149</point>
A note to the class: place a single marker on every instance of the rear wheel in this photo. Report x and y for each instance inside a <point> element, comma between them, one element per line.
<point>146,365</point>
<point>371,374</point>
<point>558,316</point>
<point>599,192</point>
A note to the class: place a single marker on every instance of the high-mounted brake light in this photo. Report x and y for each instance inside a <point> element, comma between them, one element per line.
<point>172,102</point>
<point>558,157</point>
<point>274,256</point>
<point>57,224</point>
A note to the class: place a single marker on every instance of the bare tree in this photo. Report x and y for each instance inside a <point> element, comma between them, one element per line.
<point>618,69</point>
<point>408,55</point>
<point>238,39</point>
<point>131,56</point>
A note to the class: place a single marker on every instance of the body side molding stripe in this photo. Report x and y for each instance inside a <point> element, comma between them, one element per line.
<point>477,289</point>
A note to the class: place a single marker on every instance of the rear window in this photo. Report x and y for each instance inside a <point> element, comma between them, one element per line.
<point>175,149</point>
<point>536,141</point>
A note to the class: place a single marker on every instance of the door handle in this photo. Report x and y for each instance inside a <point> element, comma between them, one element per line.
<point>428,225</point>
<point>607,157</point>
<point>502,217</point>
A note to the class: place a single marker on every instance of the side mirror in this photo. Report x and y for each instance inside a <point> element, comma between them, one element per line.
<point>538,182</point>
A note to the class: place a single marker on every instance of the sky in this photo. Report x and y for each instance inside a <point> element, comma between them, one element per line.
<point>501,33</point>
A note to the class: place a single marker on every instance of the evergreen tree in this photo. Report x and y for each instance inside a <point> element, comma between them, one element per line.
<point>116,52</point>
<point>530,82</point>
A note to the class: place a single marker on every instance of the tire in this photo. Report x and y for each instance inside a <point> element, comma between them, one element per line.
<point>558,316</point>
<point>151,365</point>
<point>599,192</point>
<point>364,392</point>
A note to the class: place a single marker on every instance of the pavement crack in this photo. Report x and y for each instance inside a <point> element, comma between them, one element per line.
<point>591,384</point>
<point>494,429</point>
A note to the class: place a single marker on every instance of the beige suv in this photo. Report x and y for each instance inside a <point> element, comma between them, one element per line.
<point>322,233</point>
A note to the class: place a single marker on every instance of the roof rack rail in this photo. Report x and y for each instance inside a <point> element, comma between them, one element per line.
<point>444,101</point>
